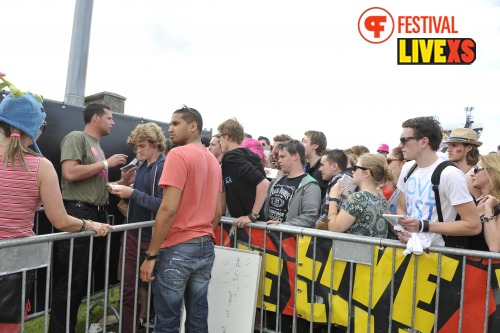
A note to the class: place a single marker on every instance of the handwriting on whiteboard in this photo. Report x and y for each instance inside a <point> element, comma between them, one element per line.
<point>235,276</point>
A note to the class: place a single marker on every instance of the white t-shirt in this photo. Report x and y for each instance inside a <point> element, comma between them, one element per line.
<point>420,199</point>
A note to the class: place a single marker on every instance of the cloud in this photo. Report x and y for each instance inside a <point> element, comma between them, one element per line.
<point>277,66</point>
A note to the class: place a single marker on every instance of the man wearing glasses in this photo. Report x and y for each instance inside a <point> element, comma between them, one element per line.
<point>420,140</point>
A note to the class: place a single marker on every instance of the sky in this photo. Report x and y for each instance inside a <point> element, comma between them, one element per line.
<point>276,66</point>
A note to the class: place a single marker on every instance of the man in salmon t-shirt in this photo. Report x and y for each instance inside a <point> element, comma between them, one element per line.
<point>182,247</point>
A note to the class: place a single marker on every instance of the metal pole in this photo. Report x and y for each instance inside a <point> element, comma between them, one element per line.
<point>79,53</point>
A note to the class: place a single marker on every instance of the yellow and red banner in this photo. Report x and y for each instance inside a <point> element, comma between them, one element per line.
<point>414,285</point>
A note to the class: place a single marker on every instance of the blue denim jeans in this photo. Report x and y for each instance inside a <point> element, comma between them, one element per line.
<point>182,273</point>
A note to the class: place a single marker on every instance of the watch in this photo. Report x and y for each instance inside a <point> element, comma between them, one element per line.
<point>150,256</point>
<point>253,216</point>
<point>337,200</point>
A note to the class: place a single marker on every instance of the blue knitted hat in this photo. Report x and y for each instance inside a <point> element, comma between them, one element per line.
<point>22,110</point>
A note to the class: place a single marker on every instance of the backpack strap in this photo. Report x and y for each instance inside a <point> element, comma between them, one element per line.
<point>435,180</point>
<point>414,166</point>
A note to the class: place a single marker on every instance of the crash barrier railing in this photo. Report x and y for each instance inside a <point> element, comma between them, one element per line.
<point>319,281</point>
<point>35,253</point>
<point>42,226</point>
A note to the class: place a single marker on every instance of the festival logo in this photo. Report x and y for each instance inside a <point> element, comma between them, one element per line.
<point>376,25</point>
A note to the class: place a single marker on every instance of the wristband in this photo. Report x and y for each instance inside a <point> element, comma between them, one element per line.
<point>487,218</point>
<point>106,165</point>
<point>426,226</point>
<point>253,219</point>
<point>84,226</point>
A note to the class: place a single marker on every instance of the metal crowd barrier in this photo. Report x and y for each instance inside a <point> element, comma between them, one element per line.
<point>319,281</point>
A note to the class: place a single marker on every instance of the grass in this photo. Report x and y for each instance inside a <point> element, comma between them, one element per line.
<point>37,325</point>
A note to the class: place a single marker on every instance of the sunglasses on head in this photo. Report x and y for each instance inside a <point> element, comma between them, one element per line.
<point>356,167</point>
<point>477,169</point>
<point>184,106</point>
<point>405,139</point>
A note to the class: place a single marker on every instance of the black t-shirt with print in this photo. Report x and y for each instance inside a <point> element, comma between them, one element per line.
<point>280,197</point>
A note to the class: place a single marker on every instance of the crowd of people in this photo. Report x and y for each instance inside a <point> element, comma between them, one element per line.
<point>447,198</point>
<point>451,198</point>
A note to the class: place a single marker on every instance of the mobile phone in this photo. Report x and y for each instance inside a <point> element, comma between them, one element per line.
<point>114,186</point>
<point>347,185</point>
<point>393,219</point>
<point>132,164</point>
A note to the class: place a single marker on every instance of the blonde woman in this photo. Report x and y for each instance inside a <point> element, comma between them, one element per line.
<point>486,178</point>
<point>361,213</point>
<point>27,180</point>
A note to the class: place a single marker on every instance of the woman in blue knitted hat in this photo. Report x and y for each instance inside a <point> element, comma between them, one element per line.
<point>27,180</point>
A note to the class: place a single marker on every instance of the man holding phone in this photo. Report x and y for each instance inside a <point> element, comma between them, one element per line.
<point>333,166</point>
<point>145,197</point>
<point>420,140</point>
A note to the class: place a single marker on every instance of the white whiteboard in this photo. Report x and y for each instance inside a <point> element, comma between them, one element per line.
<point>232,293</point>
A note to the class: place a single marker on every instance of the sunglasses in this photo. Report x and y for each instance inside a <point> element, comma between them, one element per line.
<point>405,139</point>
<point>184,106</point>
<point>356,167</point>
<point>390,160</point>
<point>44,125</point>
<point>477,169</point>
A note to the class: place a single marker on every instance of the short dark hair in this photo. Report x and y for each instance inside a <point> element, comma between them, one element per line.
<point>205,140</point>
<point>189,115</point>
<point>294,147</point>
<point>267,140</point>
<point>92,109</point>
<point>337,156</point>
<point>426,127</point>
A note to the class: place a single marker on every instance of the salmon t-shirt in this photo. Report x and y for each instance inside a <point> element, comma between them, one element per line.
<point>195,171</point>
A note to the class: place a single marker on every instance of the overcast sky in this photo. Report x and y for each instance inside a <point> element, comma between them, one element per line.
<point>277,66</point>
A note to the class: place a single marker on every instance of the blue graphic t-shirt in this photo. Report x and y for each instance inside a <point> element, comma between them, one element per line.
<point>420,199</point>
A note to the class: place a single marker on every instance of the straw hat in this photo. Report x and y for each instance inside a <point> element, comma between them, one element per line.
<point>464,135</point>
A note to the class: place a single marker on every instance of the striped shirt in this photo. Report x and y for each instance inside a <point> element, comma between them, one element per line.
<point>19,198</point>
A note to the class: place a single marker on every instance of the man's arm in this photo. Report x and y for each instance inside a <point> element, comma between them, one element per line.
<point>469,225</point>
<point>260,198</point>
<point>163,222</point>
<point>218,212</point>
<point>74,171</point>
